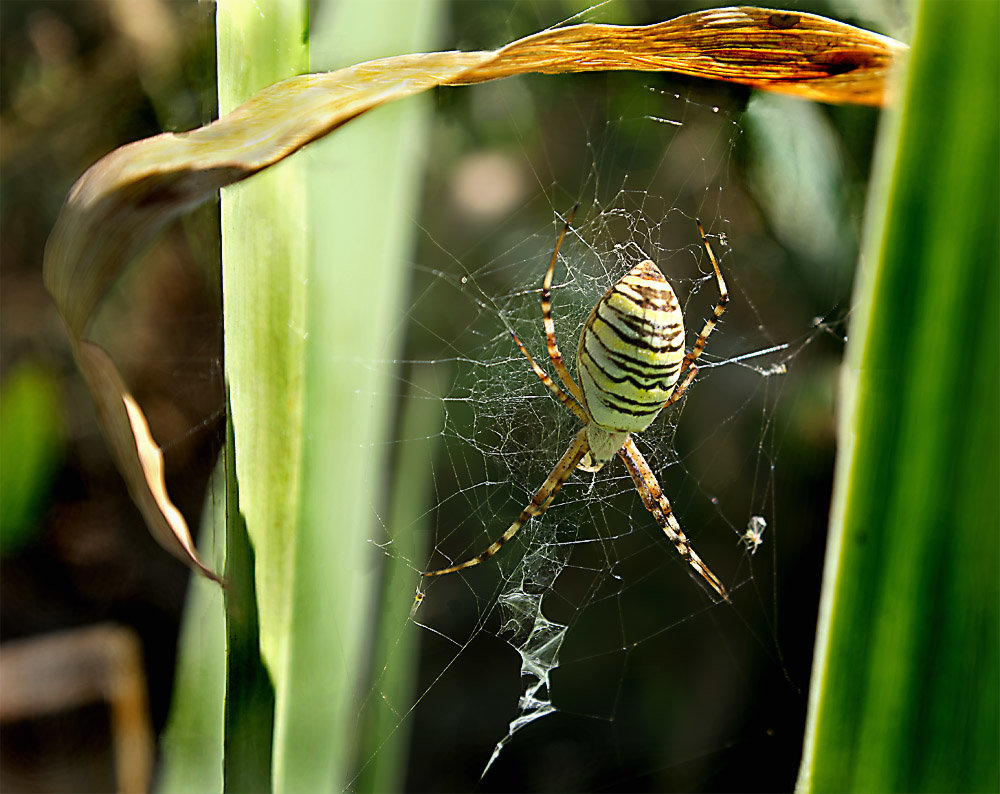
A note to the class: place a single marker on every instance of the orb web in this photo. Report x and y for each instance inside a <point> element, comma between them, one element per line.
<point>561,623</point>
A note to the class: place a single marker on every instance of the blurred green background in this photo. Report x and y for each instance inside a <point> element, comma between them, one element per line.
<point>78,79</point>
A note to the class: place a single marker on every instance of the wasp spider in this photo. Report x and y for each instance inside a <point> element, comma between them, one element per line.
<point>629,360</point>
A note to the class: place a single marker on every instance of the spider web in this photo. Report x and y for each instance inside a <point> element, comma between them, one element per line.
<point>589,617</point>
<point>585,655</point>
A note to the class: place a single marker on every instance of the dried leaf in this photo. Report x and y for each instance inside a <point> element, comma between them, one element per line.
<point>805,55</point>
<point>138,456</point>
<point>117,207</point>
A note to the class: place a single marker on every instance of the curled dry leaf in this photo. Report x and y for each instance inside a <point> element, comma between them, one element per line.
<point>121,202</point>
<point>136,454</point>
<point>800,54</point>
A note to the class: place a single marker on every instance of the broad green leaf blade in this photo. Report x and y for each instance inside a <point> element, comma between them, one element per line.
<point>191,754</point>
<point>906,680</point>
<point>363,196</point>
<point>383,744</point>
<point>250,696</point>
<point>264,274</point>
<point>308,349</point>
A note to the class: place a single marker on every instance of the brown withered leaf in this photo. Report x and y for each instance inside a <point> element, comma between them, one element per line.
<point>121,202</point>
<point>805,55</point>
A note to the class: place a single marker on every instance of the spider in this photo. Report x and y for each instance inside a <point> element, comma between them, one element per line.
<point>630,358</point>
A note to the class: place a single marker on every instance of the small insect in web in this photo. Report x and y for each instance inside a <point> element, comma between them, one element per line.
<point>418,599</point>
<point>754,534</point>
<point>630,359</point>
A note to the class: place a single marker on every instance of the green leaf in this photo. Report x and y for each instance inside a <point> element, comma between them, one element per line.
<point>906,680</point>
<point>191,744</point>
<point>384,742</point>
<point>315,276</point>
<point>265,269</point>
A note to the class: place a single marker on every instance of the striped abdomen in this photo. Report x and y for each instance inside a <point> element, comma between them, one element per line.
<point>630,351</point>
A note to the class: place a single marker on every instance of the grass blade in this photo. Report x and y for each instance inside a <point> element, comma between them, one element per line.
<point>906,679</point>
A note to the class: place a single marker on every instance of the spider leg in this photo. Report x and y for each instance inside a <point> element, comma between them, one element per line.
<point>539,502</point>
<point>720,307</point>
<point>681,387</point>
<point>550,327</point>
<point>564,398</point>
<point>656,503</point>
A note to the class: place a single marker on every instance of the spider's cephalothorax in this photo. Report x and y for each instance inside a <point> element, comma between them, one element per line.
<point>629,360</point>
